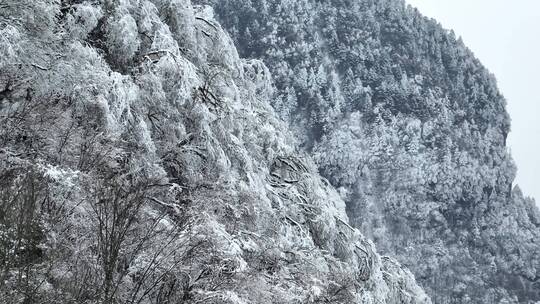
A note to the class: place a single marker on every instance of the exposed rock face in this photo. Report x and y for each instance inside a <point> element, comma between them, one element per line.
<point>141,162</point>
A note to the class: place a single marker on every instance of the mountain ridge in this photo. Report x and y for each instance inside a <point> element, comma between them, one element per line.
<point>141,162</point>
<point>405,121</point>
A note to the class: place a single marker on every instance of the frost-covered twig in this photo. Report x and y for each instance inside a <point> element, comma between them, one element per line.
<point>294,222</point>
<point>251,233</point>
<point>206,34</point>
<point>37,66</point>
<point>207,22</point>
<point>344,223</point>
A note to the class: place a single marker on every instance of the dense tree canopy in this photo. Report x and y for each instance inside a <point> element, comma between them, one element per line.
<point>405,121</point>
<point>141,162</point>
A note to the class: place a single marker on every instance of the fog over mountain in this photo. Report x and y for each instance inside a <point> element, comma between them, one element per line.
<point>253,151</point>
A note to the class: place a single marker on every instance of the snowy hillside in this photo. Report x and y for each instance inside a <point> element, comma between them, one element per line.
<point>141,162</point>
<point>411,128</point>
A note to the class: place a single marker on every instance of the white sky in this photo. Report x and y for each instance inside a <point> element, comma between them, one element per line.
<point>505,36</point>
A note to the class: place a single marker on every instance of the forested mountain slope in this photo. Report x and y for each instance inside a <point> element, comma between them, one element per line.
<point>141,162</point>
<point>411,128</point>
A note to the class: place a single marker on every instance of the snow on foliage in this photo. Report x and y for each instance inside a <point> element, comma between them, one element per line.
<point>402,118</point>
<point>142,163</point>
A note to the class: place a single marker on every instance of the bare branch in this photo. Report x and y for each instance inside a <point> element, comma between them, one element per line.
<point>207,22</point>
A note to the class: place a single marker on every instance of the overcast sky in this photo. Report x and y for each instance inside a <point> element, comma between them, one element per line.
<point>505,36</point>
